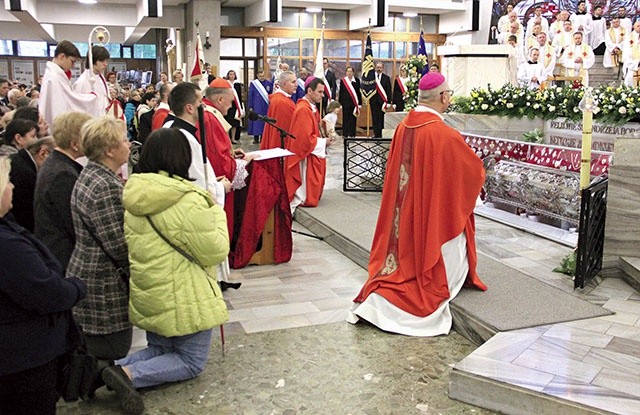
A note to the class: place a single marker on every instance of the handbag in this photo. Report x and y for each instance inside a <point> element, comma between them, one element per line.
<point>78,369</point>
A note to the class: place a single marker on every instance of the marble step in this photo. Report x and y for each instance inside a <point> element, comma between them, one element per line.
<point>630,267</point>
<point>509,399</point>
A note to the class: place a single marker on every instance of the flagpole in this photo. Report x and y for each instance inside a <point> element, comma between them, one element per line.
<point>367,98</point>
<point>323,109</point>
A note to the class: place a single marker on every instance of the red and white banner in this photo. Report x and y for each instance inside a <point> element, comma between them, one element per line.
<point>352,92</point>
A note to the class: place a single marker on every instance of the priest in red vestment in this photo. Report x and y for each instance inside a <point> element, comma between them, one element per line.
<point>424,245</point>
<point>305,170</point>
<point>223,158</point>
<point>281,109</point>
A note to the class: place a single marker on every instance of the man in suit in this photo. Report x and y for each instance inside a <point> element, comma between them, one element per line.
<point>350,99</point>
<point>380,100</point>
<point>331,80</point>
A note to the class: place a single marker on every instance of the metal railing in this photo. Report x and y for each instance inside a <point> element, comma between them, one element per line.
<point>593,212</point>
<point>365,163</point>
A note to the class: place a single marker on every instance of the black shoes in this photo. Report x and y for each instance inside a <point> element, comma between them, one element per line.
<point>224,286</point>
<point>131,401</point>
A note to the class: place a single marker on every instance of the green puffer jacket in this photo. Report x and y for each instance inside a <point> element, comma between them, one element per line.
<point>170,295</point>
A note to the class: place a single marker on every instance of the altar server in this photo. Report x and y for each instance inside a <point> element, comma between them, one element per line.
<point>92,79</point>
<point>423,248</point>
<point>532,74</point>
<point>598,33</point>
<point>581,20</point>
<point>614,41</point>
<point>258,101</point>
<point>625,22</point>
<point>578,59</point>
<point>57,96</point>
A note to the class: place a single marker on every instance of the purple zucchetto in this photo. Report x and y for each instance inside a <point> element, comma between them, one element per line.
<point>308,81</point>
<point>430,81</point>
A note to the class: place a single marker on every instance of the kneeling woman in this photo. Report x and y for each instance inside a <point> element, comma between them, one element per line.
<point>176,235</point>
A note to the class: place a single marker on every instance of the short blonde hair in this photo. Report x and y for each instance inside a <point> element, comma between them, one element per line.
<point>66,128</point>
<point>100,135</point>
<point>5,168</point>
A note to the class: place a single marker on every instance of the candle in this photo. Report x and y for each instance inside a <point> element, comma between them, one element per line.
<point>207,34</point>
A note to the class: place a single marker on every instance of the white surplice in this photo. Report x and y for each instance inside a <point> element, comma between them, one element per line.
<point>89,83</point>
<point>527,71</point>
<point>574,68</point>
<point>57,96</point>
<point>613,39</point>
<point>598,32</point>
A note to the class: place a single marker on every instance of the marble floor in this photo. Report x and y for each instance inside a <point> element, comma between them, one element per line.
<point>289,351</point>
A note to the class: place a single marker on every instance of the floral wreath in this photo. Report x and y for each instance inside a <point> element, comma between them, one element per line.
<point>415,65</point>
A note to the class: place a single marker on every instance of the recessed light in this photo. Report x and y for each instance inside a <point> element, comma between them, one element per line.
<point>88,1</point>
<point>410,14</point>
<point>314,9</point>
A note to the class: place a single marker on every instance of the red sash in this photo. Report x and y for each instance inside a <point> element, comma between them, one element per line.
<point>352,93</point>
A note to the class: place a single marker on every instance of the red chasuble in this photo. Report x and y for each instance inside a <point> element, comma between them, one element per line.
<point>305,126</point>
<point>431,185</point>
<point>220,155</point>
<point>281,109</point>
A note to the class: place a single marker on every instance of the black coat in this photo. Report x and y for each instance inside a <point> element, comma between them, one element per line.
<point>376,100</point>
<point>398,98</point>
<point>331,79</point>
<point>23,176</point>
<point>345,97</point>
<point>52,207</point>
<point>35,301</point>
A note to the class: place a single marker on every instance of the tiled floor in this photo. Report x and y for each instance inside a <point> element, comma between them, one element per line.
<point>287,321</point>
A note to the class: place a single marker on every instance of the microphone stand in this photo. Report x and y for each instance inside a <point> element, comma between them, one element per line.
<point>283,134</point>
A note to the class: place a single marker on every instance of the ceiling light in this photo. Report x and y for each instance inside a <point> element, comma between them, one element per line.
<point>88,1</point>
<point>410,14</point>
<point>314,9</point>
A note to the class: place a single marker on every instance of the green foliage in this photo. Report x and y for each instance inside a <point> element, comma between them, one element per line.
<point>534,136</point>
<point>415,65</point>
<point>617,105</point>
<point>568,265</point>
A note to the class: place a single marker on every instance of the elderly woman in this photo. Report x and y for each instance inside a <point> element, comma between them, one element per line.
<point>56,178</point>
<point>176,235</point>
<point>35,300</point>
<point>100,254</point>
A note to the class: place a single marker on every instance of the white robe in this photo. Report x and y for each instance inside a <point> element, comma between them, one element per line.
<point>503,24</point>
<point>571,53</point>
<point>98,85</point>
<point>631,57</point>
<point>598,33</point>
<point>555,29</point>
<point>614,39</point>
<point>547,59</point>
<point>527,71</point>
<point>583,20</point>
<point>562,41</point>
<point>57,96</point>
<point>503,38</point>
<point>627,24</point>
<point>543,22</point>
<point>516,58</point>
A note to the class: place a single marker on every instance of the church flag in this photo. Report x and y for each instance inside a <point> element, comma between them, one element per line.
<point>368,81</point>
<point>422,51</point>
<point>198,60</point>
<point>319,71</point>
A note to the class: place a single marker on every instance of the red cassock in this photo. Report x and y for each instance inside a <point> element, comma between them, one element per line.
<point>281,109</point>
<point>220,155</point>
<point>305,127</point>
<point>157,121</point>
<point>434,206</point>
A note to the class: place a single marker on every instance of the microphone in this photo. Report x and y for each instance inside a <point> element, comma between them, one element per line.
<point>254,116</point>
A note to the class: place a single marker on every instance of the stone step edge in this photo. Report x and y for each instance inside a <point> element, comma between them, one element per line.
<point>511,399</point>
<point>630,271</point>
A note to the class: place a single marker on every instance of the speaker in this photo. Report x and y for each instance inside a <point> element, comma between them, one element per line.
<point>475,15</point>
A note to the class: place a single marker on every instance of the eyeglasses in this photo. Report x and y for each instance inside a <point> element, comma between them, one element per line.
<point>450,91</point>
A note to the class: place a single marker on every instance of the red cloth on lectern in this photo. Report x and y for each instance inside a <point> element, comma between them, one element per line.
<point>281,109</point>
<point>305,126</point>
<point>444,179</point>
<point>265,192</point>
<point>220,155</point>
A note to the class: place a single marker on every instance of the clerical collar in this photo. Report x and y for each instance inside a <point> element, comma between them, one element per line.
<point>181,124</point>
<point>596,18</point>
<point>424,108</point>
<point>314,109</point>
<point>581,13</point>
<point>532,63</point>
